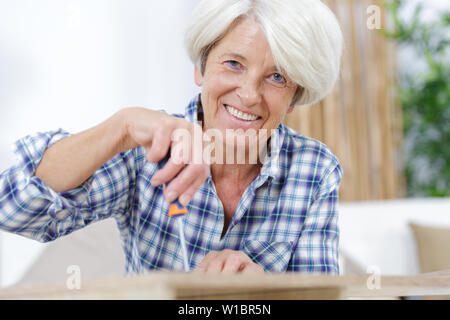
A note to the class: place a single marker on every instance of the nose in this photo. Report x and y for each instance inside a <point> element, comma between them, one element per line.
<point>249,92</point>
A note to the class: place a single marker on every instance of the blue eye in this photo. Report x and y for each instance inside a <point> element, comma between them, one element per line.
<point>278,78</point>
<point>233,64</point>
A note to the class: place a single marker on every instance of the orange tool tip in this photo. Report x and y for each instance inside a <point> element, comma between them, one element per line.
<point>177,209</point>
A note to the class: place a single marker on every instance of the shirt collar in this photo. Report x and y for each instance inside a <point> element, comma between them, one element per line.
<point>272,163</point>
<point>193,108</point>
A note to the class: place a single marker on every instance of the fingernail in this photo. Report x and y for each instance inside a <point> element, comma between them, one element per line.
<point>171,196</point>
<point>155,182</point>
<point>184,200</point>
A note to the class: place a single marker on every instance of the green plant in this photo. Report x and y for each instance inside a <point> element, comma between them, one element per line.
<point>425,100</point>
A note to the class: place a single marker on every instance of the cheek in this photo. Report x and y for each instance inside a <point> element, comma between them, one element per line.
<point>216,84</point>
<point>278,106</point>
<point>279,102</point>
<point>276,117</point>
<point>278,96</point>
<point>219,82</point>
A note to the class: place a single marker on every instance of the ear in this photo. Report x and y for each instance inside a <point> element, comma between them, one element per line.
<point>198,78</point>
<point>290,109</point>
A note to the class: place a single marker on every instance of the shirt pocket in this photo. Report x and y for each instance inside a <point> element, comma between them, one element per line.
<point>272,256</point>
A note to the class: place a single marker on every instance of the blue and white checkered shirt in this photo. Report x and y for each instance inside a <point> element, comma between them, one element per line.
<point>286,220</point>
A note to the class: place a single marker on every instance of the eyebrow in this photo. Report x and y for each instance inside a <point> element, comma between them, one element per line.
<point>242,58</point>
<point>234,55</point>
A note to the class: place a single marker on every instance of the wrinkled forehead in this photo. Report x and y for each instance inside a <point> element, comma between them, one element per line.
<point>245,37</point>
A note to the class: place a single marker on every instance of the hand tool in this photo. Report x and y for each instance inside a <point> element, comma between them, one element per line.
<point>177,211</point>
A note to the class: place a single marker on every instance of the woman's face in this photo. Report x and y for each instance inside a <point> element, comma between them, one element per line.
<point>240,76</point>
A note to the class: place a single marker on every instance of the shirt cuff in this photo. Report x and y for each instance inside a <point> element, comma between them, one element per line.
<point>29,152</point>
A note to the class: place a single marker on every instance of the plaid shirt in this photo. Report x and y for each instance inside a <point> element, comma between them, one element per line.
<point>286,219</point>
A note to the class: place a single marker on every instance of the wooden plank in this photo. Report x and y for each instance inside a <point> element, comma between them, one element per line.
<point>164,285</point>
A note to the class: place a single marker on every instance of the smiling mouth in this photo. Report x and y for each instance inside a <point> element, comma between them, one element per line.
<point>241,115</point>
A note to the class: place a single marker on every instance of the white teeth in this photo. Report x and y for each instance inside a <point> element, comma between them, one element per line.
<point>241,115</point>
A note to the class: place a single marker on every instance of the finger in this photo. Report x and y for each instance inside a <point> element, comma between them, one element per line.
<point>160,145</point>
<point>181,146</point>
<point>167,173</point>
<point>201,268</point>
<point>190,176</point>
<point>189,193</point>
<point>234,263</point>
<point>216,265</point>
<point>252,267</point>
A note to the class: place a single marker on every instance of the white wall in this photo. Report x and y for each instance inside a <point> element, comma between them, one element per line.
<point>73,63</point>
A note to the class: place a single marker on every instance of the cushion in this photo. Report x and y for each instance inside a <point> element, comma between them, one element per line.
<point>433,250</point>
<point>96,250</point>
<point>433,247</point>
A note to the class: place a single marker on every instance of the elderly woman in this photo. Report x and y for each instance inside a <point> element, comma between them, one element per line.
<point>254,61</point>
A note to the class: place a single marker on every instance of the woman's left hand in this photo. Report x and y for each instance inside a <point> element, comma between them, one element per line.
<point>228,261</point>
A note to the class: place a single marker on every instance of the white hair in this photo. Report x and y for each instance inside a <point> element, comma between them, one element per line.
<point>304,36</point>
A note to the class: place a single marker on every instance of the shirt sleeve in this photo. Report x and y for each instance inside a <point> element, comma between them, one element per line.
<point>317,247</point>
<point>30,208</point>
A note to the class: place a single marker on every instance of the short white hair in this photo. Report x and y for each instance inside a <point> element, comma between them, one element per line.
<point>304,36</point>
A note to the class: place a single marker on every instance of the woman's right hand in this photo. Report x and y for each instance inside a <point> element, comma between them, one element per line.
<point>155,131</point>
